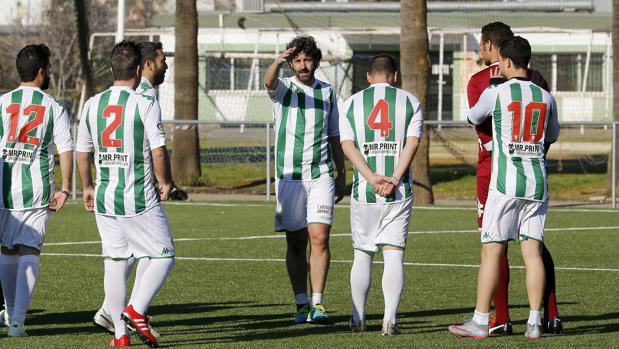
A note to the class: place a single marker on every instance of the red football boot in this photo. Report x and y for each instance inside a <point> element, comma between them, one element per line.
<point>140,323</point>
<point>120,342</point>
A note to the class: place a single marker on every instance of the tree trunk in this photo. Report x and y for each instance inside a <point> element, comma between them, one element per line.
<point>615,36</point>
<point>186,146</point>
<point>415,68</point>
<point>83,33</point>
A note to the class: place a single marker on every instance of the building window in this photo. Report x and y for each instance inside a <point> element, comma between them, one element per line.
<point>234,73</point>
<point>570,70</point>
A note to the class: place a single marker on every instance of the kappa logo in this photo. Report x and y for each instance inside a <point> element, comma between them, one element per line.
<point>167,251</point>
<point>486,235</point>
<point>366,149</point>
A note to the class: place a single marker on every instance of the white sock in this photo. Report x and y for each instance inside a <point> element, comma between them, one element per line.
<point>115,287</point>
<point>151,282</point>
<point>128,268</point>
<point>8,278</point>
<point>143,264</point>
<point>393,282</point>
<point>535,317</point>
<point>27,275</point>
<point>316,298</point>
<point>300,298</point>
<point>360,282</point>
<point>481,319</point>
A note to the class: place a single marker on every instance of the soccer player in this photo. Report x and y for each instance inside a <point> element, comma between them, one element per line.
<point>492,35</point>
<point>307,144</point>
<point>380,134</point>
<point>524,124</point>
<point>32,123</point>
<point>126,132</point>
<point>153,73</point>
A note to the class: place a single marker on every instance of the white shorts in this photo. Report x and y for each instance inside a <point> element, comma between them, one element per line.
<point>506,218</point>
<point>375,225</point>
<point>300,203</point>
<point>23,228</point>
<point>145,235</point>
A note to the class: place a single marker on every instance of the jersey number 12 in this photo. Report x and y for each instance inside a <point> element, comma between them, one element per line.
<point>24,137</point>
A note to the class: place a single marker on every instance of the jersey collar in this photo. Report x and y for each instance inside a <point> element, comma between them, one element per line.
<point>145,81</point>
<point>304,86</point>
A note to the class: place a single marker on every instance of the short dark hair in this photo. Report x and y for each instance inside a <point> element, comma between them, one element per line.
<point>30,59</point>
<point>496,33</point>
<point>518,50</point>
<point>149,50</point>
<point>307,45</point>
<point>126,57</point>
<point>383,64</point>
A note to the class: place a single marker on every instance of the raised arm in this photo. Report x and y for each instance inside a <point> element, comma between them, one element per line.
<point>271,80</point>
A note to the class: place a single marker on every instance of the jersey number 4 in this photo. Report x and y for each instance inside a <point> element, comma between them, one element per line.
<point>24,137</point>
<point>534,121</point>
<point>384,125</point>
<point>116,113</point>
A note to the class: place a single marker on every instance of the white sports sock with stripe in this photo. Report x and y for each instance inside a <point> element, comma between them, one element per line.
<point>151,282</point>
<point>8,278</point>
<point>27,276</point>
<point>393,282</point>
<point>115,286</point>
<point>360,281</point>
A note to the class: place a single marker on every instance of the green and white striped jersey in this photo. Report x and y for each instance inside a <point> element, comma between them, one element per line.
<point>32,122</point>
<point>378,119</point>
<point>122,126</point>
<point>146,88</point>
<point>524,116</point>
<point>305,118</point>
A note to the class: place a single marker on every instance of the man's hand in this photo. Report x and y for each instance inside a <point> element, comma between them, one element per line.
<point>285,55</point>
<point>89,199</point>
<point>378,181</point>
<point>164,191</point>
<point>58,200</point>
<point>340,188</point>
<point>496,78</point>
<point>389,187</point>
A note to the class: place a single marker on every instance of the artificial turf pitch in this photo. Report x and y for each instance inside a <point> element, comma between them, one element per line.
<point>230,287</point>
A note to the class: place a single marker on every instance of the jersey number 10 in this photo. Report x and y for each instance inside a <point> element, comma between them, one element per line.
<point>384,125</point>
<point>24,137</point>
<point>534,121</point>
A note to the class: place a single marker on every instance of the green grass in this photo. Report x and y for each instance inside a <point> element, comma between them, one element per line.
<point>224,304</point>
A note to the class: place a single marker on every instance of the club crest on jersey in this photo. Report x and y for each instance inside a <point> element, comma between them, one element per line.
<point>525,149</point>
<point>21,156</point>
<point>380,148</point>
<point>113,160</point>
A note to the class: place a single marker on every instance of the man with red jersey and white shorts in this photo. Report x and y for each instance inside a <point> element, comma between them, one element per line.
<point>492,35</point>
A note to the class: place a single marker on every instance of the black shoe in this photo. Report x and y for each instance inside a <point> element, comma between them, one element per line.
<point>501,329</point>
<point>554,326</point>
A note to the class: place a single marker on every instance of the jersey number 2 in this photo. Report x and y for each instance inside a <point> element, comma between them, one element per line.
<point>534,112</point>
<point>384,125</point>
<point>115,111</point>
<point>23,137</point>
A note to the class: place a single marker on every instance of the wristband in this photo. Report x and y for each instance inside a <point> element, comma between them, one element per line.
<point>66,193</point>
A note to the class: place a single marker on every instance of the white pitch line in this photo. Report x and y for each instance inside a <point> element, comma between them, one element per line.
<point>440,265</point>
<point>429,208</point>
<point>280,236</point>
